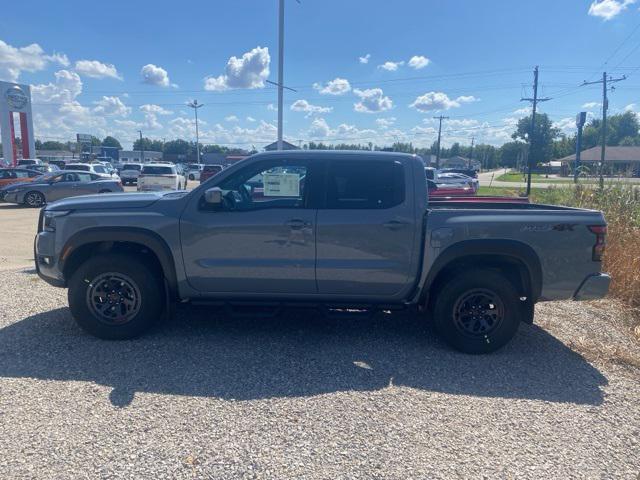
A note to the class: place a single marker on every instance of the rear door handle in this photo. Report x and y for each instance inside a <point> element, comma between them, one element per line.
<point>297,224</point>
<point>395,224</point>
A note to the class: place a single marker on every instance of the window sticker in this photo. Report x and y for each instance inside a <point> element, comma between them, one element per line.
<point>281,184</point>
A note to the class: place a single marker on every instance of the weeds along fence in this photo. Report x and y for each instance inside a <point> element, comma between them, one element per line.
<point>620,204</point>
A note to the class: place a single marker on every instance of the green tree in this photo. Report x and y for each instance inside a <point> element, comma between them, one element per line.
<point>512,153</point>
<point>52,145</point>
<point>148,145</point>
<point>111,142</point>
<point>545,134</point>
<point>180,147</point>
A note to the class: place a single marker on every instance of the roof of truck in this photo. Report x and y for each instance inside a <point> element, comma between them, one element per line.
<point>332,153</point>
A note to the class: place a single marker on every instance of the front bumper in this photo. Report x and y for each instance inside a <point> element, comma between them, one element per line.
<point>593,287</point>
<point>46,260</point>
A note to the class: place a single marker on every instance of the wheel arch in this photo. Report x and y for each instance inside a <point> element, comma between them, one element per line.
<point>87,242</point>
<point>517,260</point>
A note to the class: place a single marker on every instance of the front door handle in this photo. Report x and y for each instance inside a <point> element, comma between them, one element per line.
<point>297,224</point>
<point>394,224</point>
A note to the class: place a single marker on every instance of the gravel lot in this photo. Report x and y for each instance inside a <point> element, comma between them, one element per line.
<point>299,396</point>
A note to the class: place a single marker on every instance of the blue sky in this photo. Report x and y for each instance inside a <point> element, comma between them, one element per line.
<point>363,70</point>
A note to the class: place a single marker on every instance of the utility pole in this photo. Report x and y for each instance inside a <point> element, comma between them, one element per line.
<point>580,121</point>
<point>605,106</point>
<point>195,105</point>
<point>471,152</point>
<point>141,147</point>
<point>534,102</point>
<point>440,118</point>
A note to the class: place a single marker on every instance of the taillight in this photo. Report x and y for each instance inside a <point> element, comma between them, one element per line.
<point>600,231</point>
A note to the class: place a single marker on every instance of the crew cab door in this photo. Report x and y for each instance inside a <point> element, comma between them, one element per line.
<point>367,229</point>
<point>261,240</point>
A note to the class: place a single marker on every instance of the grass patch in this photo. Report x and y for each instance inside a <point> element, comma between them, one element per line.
<point>535,178</point>
<point>500,191</point>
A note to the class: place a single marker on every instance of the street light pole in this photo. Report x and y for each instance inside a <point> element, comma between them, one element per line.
<point>280,69</point>
<point>141,147</point>
<point>195,105</point>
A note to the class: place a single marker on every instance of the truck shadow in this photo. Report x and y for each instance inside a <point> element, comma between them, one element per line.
<point>298,353</point>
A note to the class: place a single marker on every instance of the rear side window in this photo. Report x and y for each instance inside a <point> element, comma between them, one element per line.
<point>129,166</point>
<point>365,184</point>
<point>158,170</point>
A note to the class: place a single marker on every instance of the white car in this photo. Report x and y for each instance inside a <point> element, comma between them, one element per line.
<point>96,168</point>
<point>452,179</point>
<point>160,176</point>
<point>193,171</point>
<point>130,172</point>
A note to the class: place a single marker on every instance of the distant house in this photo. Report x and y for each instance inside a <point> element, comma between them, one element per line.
<point>285,146</point>
<point>137,155</point>
<point>618,160</point>
<point>48,155</point>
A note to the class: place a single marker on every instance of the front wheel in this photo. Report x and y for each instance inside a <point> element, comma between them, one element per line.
<point>192,177</point>
<point>477,312</point>
<point>115,296</point>
<point>34,199</point>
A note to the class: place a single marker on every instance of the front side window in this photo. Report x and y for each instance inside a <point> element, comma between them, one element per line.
<point>365,184</point>
<point>279,185</point>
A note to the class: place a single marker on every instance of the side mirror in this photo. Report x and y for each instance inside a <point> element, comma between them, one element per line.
<point>213,196</point>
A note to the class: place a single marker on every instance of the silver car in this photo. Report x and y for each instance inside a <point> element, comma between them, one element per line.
<point>55,186</point>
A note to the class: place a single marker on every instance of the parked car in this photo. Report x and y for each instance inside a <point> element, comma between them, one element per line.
<point>58,163</point>
<point>458,179</point>
<point>159,176</point>
<point>26,162</point>
<point>55,186</point>
<point>129,173</point>
<point>443,190</point>
<point>469,172</point>
<point>96,168</point>
<point>194,170</point>
<point>10,176</point>
<point>45,168</point>
<point>209,171</point>
<point>359,233</point>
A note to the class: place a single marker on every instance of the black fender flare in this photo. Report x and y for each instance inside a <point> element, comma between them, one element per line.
<point>147,238</point>
<point>510,249</point>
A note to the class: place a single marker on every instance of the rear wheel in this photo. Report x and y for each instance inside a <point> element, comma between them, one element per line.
<point>477,312</point>
<point>115,296</point>
<point>192,177</point>
<point>34,199</point>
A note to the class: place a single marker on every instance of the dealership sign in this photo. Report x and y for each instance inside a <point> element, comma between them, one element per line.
<point>16,98</point>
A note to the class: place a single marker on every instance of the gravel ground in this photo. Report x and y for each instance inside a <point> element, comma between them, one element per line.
<point>299,396</point>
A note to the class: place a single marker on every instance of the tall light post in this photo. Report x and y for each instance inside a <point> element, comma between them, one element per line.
<point>280,69</point>
<point>141,147</point>
<point>195,105</point>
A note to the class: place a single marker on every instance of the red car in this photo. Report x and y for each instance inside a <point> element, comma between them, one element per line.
<point>209,171</point>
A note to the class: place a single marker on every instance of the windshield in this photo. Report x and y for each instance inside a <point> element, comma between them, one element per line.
<point>157,170</point>
<point>129,166</point>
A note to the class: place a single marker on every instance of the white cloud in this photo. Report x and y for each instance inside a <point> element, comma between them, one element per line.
<point>385,122</point>
<point>231,118</point>
<point>271,107</point>
<point>32,58</point>
<point>309,109</point>
<point>372,100</point>
<point>630,108</point>
<point>249,71</point>
<point>66,88</point>
<point>418,62</point>
<point>111,106</point>
<point>155,109</point>
<point>433,101</point>
<point>337,86</point>
<point>522,111</point>
<point>154,75</point>
<point>391,66</point>
<point>591,105</point>
<point>608,9</point>
<point>320,129</point>
<point>251,119</point>
<point>96,69</point>
<point>365,59</point>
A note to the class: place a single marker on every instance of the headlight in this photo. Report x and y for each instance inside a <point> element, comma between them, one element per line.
<point>50,218</point>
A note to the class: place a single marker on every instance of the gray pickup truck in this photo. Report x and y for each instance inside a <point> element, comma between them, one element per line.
<point>340,230</point>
